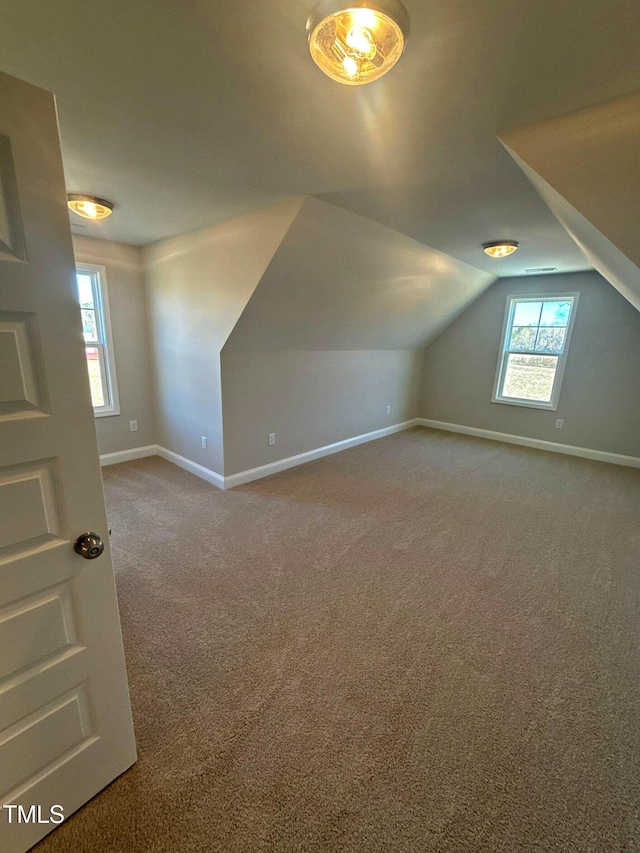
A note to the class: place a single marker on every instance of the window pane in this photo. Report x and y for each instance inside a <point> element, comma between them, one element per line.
<point>95,376</point>
<point>555,314</point>
<point>89,325</point>
<point>530,377</point>
<point>85,290</point>
<point>551,339</point>
<point>523,337</point>
<point>527,313</point>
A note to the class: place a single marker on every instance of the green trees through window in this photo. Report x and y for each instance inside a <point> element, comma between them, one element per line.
<point>533,350</point>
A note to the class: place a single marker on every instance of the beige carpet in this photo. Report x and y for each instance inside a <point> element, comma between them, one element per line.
<point>428,643</point>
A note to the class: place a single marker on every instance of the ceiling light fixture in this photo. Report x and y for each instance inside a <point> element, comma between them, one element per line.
<point>89,206</point>
<point>500,248</point>
<point>359,41</point>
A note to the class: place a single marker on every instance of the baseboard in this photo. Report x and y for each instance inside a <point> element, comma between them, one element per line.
<point>128,455</point>
<point>191,467</point>
<point>537,443</point>
<point>292,461</point>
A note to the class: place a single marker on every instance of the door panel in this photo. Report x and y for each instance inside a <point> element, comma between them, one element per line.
<point>12,245</point>
<point>22,387</point>
<point>65,719</point>
<point>36,628</point>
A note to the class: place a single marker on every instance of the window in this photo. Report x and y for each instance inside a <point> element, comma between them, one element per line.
<point>533,351</point>
<point>92,293</point>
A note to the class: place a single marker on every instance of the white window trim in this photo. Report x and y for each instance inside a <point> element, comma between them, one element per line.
<point>110,359</point>
<point>562,359</point>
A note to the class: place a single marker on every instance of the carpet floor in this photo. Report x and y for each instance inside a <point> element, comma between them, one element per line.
<point>426,644</point>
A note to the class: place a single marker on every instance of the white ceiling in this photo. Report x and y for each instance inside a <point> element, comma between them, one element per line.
<point>189,114</point>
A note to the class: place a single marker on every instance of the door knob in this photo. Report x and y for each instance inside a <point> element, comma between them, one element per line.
<point>89,546</point>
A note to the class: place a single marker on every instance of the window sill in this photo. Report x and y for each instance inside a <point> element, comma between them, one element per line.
<point>105,413</point>
<point>525,404</point>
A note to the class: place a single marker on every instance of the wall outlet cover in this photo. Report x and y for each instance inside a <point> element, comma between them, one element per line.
<point>272,439</point>
<point>203,442</point>
<point>133,426</point>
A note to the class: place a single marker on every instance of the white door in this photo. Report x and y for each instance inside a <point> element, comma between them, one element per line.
<point>65,718</point>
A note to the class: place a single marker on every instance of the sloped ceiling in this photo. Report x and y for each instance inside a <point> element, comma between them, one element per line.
<point>586,167</point>
<point>189,114</point>
<point>201,282</point>
<point>339,281</point>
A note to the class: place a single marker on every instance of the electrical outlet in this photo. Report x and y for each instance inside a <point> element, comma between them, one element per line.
<point>388,410</point>
<point>133,426</point>
<point>203,442</point>
<point>272,439</point>
<point>559,423</point>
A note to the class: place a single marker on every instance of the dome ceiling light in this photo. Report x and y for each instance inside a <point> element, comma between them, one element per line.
<point>500,248</point>
<point>89,206</point>
<point>357,42</point>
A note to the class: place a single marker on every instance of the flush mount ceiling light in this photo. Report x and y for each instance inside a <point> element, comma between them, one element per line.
<point>500,248</point>
<point>357,42</point>
<point>89,206</point>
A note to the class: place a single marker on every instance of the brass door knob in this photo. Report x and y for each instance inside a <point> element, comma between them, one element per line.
<point>89,546</point>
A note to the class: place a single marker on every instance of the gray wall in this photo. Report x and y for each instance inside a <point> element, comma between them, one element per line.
<point>310,399</point>
<point>197,287</point>
<point>295,286</point>
<point>600,399</point>
<point>333,333</point>
<point>130,330</point>
<point>339,281</point>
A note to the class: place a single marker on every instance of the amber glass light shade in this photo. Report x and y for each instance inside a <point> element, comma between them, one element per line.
<point>357,42</point>
<point>89,206</point>
<point>500,248</point>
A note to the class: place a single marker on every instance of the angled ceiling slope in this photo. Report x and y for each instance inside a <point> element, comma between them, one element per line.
<point>206,278</point>
<point>339,281</point>
<point>586,167</point>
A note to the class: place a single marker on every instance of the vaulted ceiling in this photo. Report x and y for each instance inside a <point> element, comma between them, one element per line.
<point>586,166</point>
<point>186,115</point>
<point>339,281</point>
<point>302,275</point>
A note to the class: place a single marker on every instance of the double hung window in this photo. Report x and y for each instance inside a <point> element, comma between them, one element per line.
<point>533,351</point>
<point>92,294</point>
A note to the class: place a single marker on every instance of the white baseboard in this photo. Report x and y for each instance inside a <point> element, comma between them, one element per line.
<point>192,467</point>
<point>128,455</point>
<point>537,443</point>
<point>292,461</point>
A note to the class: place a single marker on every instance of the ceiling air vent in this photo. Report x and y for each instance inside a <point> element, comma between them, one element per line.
<point>541,269</point>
